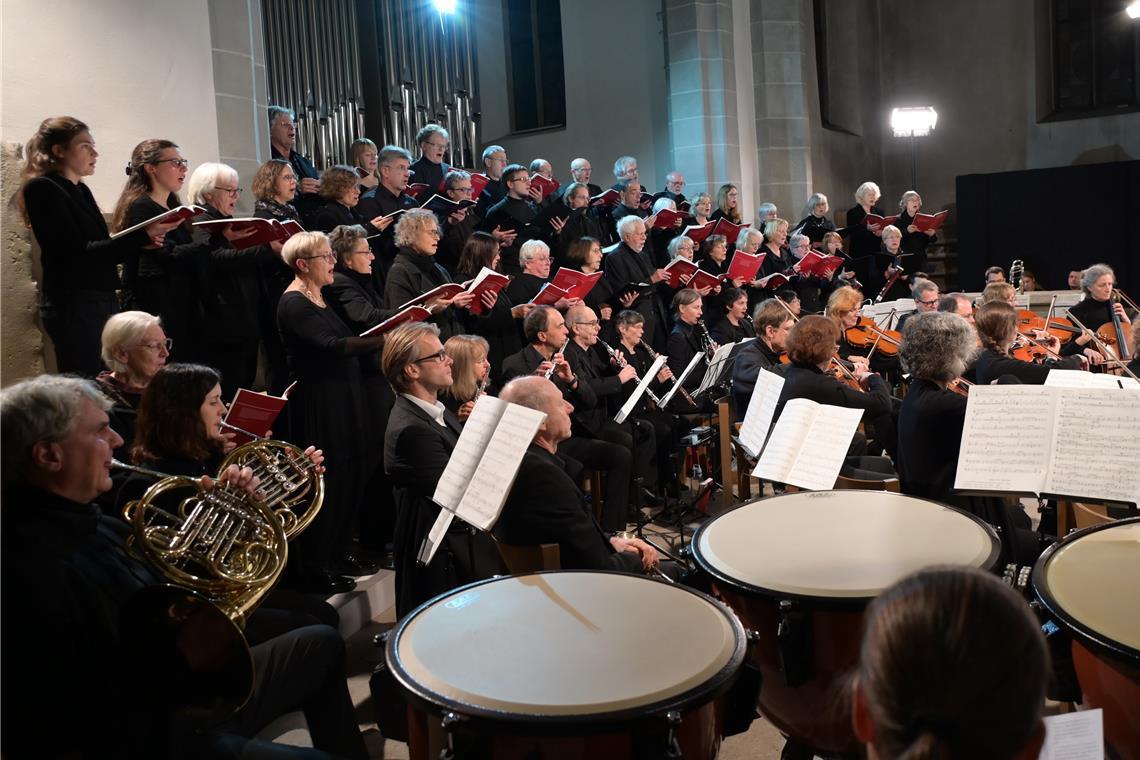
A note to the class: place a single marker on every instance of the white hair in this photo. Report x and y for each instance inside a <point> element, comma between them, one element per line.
<point>124,330</point>
<point>626,223</point>
<point>623,165</point>
<point>206,178</point>
<point>300,245</point>
<point>532,249</point>
<point>746,235</point>
<point>491,150</point>
<point>664,202</point>
<point>865,190</point>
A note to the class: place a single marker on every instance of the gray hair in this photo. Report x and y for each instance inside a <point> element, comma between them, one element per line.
<point>1094,273</point>
<point>412,223</point>
<point>626,223</point>
<point>124,330</point>
<point>40,409</point>
<point>906,197</point>
<point>664,202</point>
<point>276,111</point>
<point>531,250</point>
<point>677,242</point>
<point>344,238</point>
<point>797,239</point>
<point>765,208</point>
<point>867,188</point>
<point>537,165</point>
<point>813,201</point>
<point>923,285</point>
<point>529,391</point>
<point>623,165</point>
<point>301,245</point>
<point>453,176</point>
<point>579,163</point>
<point>390,153</point>
<point>948,302</point>
<point>746,235</point>
<point>431,129</point>
<point>206,177</point>
<point>937,346</point>
<point>491,150</point>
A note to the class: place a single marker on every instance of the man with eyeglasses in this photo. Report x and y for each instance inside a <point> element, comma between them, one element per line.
<point>534,255</point>
<point>674,184</point>
<point>516,212</point>
<point>282,141</point>
<point>430,168</point>
<point>388,197</point>
<point>418,441</point>
<point>926,297</point>
<point>494,164</point>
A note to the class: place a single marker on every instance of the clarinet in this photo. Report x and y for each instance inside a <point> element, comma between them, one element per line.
<point>620,362</point>
<point>710,346</point>
<point>653,355</point>
<point>554,358</point>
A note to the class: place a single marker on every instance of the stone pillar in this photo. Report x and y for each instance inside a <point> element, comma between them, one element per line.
<point>20,336</point>
<point>703,129</point>
<point>240,85</point>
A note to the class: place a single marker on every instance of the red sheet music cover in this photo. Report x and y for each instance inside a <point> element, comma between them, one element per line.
<point>254,413</point>
<point>679,271</point>
<point>820,265</point>
<point>447,290</point>
<point>549,295</point>
<point>698,232</point>
<point>744,266</point>
<point>777,280</point>
<point>479,182</point>
<point>703,279</point>
<point>488,281</point>
<point>876,223</point>
<point>666,218</point>
<point>402,317</point>
<point>928,222</point>
<point>180,213</point>
<point>265,230</point>
<point>547,186</point>
<point>728,229</point>
<point>576,284</point>
<point>608,198</point>
<point>417,189</point>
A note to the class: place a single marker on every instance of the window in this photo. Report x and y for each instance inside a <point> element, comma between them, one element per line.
<point>1094,57</point>
<point>534,65</point>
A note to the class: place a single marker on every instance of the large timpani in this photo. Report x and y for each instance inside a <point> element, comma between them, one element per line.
<point>800,570</point>
<point>567,665</point>
<point>1090,585</point>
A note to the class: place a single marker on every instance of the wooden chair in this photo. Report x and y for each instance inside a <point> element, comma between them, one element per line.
<point>736,479</point>
<point>844,483</point>
<point>1088,515</point>
<point>593,485</point>
<point>529,558</point>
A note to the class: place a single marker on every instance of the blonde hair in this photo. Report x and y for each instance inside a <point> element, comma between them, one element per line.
<point>413,223</point>
<point>402,348</point>
<point>997,291</point>
<point>771,226</point>
<point>464,351</point>
<point>892,231</point>
<point>124,330</point>
<point>842,300</point>
<point>301,245</point>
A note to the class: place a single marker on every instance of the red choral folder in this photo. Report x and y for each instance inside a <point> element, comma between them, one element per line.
<point>777,280</point>
<point>666,218</point>
<point>815,264</point>
<point>728,229</point>
<point>928,222</point>
<point>478,183</point>
<point>744,266</point>
<point>417,189</point>
<point>266,230</point>
<point>487,281</point>
<point>680,271</point>
<point>546,185</point>
<point>253,413</point>
<point>446,290</point>
<point>402,317</point>
<point>876,223</point>
<point>698,232</point>
<point>576,284</point>
<point>608,198</point>
<point>703,279</point>
<point>179,213</point>
<point>549,295</point>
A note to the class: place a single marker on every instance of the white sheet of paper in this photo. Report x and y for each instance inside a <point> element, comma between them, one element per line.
<point>1007,438</point>
<point>434,538</point>
<point>1074,736</point>
<point>487,492</point>
<point>698,357</point>
<point>477,432</point>
<point>761,407</point>
<point>639,391</point>
<point>1095,445</point>
<point>717,365</point>
<point>808,444</point>
<point>1078,378</point>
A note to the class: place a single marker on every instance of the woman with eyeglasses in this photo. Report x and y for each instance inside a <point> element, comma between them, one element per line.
<point>229,279</point>
<point>415,271</point>
<point>326,407</point>
<point>134,348</point>
<point>78,256</point>
<point>340,190</point>
<point>161,280</point>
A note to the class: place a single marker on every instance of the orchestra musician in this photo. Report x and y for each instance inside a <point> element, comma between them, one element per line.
<point>815,223</point>
<point>282,141</point>
<point>957,303</point>
<point>911,699</point>
<point>843,306</point>
<point>134,349</point>
<point>67,565</point>
<point>470,374</point>
<point>735,325</point>
<point>999,291</point>
<point>430,168</point>
<point>926,298</point>
<point>772,322</point>
<point>994,274</point>
<point>1094,310</point>
<point>891,251</point>
<point>686,341</point>
<point>997,322</point>
<point>77,290</point>
<point>545,504</point>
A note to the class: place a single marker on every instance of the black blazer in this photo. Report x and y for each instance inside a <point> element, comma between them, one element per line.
<point>685,343</point>
<point>545,506</point>
<point>413,274</point>
<point>749,361</point>
<point>231,287</point>
<point>624,266</point>
<point>601,384</point>
<point>806,381</point>
<point>991,365</point>
<point>416,450</point>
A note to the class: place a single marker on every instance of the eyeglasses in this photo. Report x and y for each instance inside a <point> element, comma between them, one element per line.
<point>439,357</point>
<point>520,179</point>
<point>328,256</point>
<point>363,252</point>
<point>181,163</point>
<point>158,345</point>
<point>467,189</point>
<point>230,190</point>
<point>591,323</point>
<point>434,233</point>
<point>927,303</point>
<point>436,145</point>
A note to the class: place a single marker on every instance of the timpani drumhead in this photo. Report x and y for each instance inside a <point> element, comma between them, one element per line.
<point>1090,580</point>
<point>839,544</point>
<point>566,644</point>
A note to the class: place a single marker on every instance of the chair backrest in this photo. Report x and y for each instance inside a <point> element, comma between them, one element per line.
<point>529,558</point>
<point>1088,515</point>
<point>845,483</point>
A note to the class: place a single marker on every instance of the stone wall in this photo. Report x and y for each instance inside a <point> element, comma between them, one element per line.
<point>21,342</point>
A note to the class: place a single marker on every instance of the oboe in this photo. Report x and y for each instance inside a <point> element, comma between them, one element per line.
<point>653,355</point>
<point>554,360</point>
<point>619,360</point>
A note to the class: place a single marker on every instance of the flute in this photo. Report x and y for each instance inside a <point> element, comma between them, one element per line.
<point>554,360</point>
<point>653,355</point>
<point>619,360</point>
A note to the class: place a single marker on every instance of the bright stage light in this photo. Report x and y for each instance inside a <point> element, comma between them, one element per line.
<point>1133,9</point>
<point>444,6</point>
<point>913,122</point>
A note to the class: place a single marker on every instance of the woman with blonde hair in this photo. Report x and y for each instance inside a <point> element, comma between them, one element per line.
<point>470,373</point>
<point>727,204</point>
<point>364,159</point>
<point>863,243</point>
<point>134,348</point>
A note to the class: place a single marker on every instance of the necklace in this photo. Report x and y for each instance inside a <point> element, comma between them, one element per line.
<point>318,299</point>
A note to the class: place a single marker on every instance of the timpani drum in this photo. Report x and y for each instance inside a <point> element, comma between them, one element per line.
<point>1089,585</point>
<point>567,664</point>
<point>800,570</point>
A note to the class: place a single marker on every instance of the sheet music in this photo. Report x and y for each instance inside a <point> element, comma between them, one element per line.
<point>639,391</point>
<point>1007,438</point>
<point>699,356</point>
<point>784,443</point>
<point>717,365</point>
<point>825,447</point>
<point>487,492</point>
<point>1095,445</point>
<point>1078,378</point>
<point>1074,736</point>
<point>477,432</point>
<point>434,538</point>
<point>761,408</point>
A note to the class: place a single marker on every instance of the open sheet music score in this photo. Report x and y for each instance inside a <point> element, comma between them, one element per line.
<point>1070,443</point>
<point>719,363</point>
<point>639,391</point>
<point>1078,378</point>
<point>761,409</point>
<point>808,445</point>
<point>697,358</point>
<point>482,467</point>
<point>1074,736</point>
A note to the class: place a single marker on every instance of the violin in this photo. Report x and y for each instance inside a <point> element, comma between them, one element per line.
<point>960,385</point>
<point>866,333</point>
<point>1058,327</point>
<point>842,371</point>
